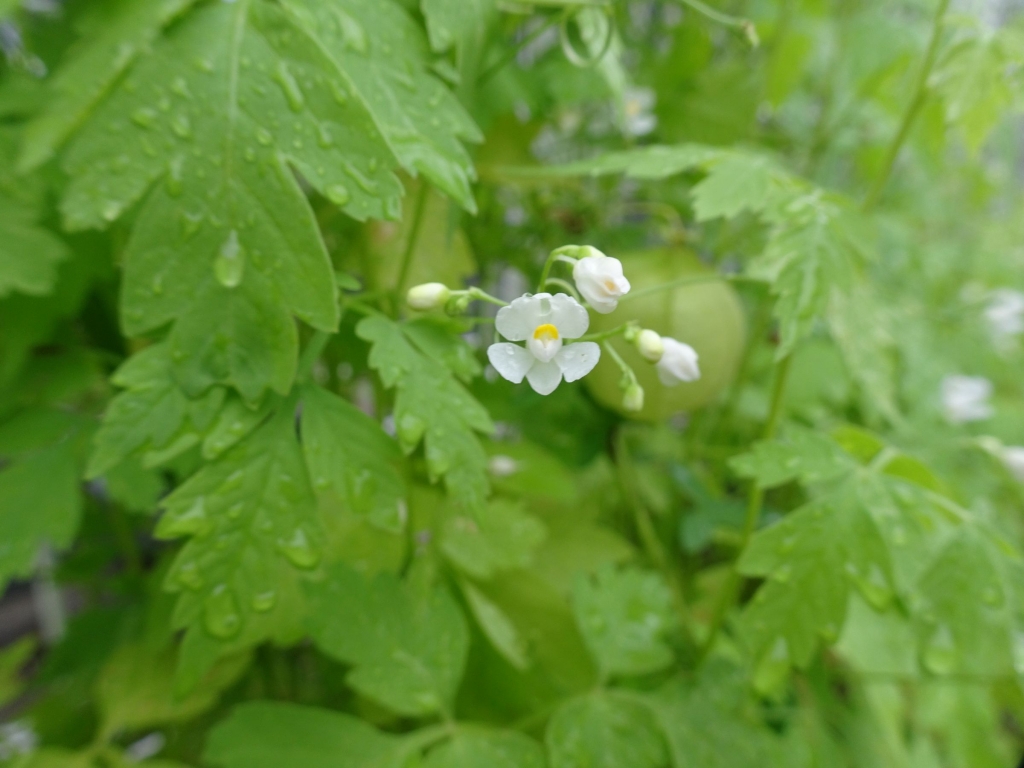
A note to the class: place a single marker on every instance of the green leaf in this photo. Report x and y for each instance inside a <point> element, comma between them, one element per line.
<point>811,252</point>
<point>497,626</point>
<point>266,734</point>
<point>503,537</point>
<point>432,406</point>
<point>378,45</point>
<point>709,724</point>
<point>135,689</point>
<point>125,31</point>
<point>152,413</point>
<point>12,659</point>
<point>487,749</point>
<point>207,129</point>
<point>650,163</point>
<point>254,529</point>
<point>351,458</point>
<point>810,559</point>
<point>29,254</point>
<point>462,24</point>
<point>623,616</point>
<point>974,85</point>
<point>801,454</point>
<point>736,181</point>
<point>970,601</point>
<point>408,649</point>
<point>41,505</point>
<point>604,730</point>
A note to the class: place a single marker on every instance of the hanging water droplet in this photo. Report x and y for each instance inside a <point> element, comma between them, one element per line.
<point>874,585</point>
<point>190,223</point>
<point>324,138</point>
<point>144,117</point>
<point>940,654</point>
<point>410,429</point>
<point>264,601</point>
<point>175,182</point>
<point>292,91</point>
<point>299,550</point>
<point>220,613</point>
<point>352,31</point>
<point>230,263</point>
<point>338,194</point>
<point>438,461</point>
<point>338,92</point>
<point>264,137</point>
<point>182,126</point>
<point>188,576</point>
<point>111,210</point>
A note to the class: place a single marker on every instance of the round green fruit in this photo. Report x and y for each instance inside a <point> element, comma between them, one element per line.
<point>706,315</point>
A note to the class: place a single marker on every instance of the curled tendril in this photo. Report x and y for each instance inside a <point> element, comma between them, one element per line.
<point>606,27</point>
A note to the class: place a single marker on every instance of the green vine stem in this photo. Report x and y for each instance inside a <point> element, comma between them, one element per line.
<point>913,108</point>
<point>755,501</point>
<point>414,235</point>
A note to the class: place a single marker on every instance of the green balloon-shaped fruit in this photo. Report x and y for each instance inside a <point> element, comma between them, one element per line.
<point>706,315</point>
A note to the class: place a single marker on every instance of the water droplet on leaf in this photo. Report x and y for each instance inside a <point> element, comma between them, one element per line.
<point>220,613</point>
<point>230,263</point>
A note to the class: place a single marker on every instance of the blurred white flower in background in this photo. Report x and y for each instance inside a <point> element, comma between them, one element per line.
<point>1005,315</point>
<point>638,111</point>
<point>966,398</point>
<point>678,363</point>
<point>17,738</point>
<point>1013,458</point>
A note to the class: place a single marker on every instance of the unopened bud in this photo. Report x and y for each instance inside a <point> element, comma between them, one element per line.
<point>650,345</point>
<point>633,399</point>
<point>428,296</point>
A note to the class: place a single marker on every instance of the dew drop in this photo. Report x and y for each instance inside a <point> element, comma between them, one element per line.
<point>174,180</point>
<point>352,32</point>
<point>338,194</point>
<point>940,654</point>
<point>264,601</point>
<point>144,117</point>
<point>182,126</point>
<point>367,185</point>
<point>180,87</point>
<point>229,265</point>
<point>220,613</point>
<point>410,429</point>
<point>264,137</point>
<point>324,138</point>
<point>299,550</point>
<point>188,576</point>
<point>292,91</point>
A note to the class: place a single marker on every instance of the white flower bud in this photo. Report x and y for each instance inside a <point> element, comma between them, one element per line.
<point>678,363</point>
<point>428,296</point>
<point>599,279</point>
<point>650,345</point>
<point>633,399</point>
<point>1013,458</point>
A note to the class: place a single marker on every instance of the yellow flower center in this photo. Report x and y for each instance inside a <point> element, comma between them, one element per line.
<point>546,332</point>
<point>610,284</point>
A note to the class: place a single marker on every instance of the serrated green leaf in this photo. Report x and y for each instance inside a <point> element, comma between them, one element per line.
<point>487,749</point>
<point>382,50</point>
<point>735,182</point>
<point>811,252</point>
<point>12,659</point>
<point>604,730</point>
<point>969,607</point>
<point>266,734</point>
<point>432,406</point>
<point>462,24</point>
<point>801,454</point>
<point>41,505</point>
<point>502,537</point>
<point>707,725</point>
<point>811,559</point>
<point>624,616</point>
<point>408,650</point>
<point>135,689</point>
<point>253,525</point>
<point>350,456</point>
<point>151,413</point>
<point>127,30</point>
<point>208,129</point>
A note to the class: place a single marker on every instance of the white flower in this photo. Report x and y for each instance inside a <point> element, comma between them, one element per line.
<point>599,278</point>
<point>650,345</point>
<point>965,398</point>
<point>1005,314</point>
<point>678,363</point>
<point>428,296</point>
<point>1013,458</point>
<point>637,109</point>
<point>543,321</point>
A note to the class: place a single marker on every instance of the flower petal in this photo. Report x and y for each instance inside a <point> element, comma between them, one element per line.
<point>568,316</point>
<point>577,360</point>
<point>544,377</point>
<point>510,360</point>
<point>517,321</point>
